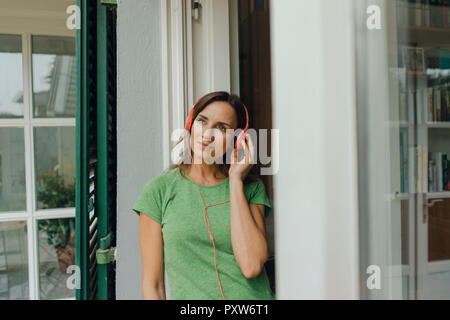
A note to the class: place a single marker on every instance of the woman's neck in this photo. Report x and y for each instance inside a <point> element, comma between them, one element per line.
<point>205,171</point>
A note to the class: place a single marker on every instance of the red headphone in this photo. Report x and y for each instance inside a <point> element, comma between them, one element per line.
<point>240,135</point>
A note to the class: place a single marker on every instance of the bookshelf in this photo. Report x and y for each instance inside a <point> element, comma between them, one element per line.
<point>424,99</point>
<point>423,35</point>
<point>428,15</point>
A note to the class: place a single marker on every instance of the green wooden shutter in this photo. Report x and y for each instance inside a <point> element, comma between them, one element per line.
<point>106,142</point>
<point>96,150</point>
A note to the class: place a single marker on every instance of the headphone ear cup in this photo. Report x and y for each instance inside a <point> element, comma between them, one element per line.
<point>238,140</point>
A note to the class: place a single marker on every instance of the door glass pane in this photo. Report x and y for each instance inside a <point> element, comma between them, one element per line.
<point>13,261</point>
<point>439,231</point>
<point>12,170</point>
<point>56,253</point>
<point>54,76</point>
<point>404,148</point>
<point>54,152</point>
<point>11,77</point>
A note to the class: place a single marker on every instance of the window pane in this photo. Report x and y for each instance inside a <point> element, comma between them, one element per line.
<point>56,253</point>
<point>54,76</point>
<point>12,170</point>
<point>13,261</point>
<point>54,152</point>
<point>11,77</point>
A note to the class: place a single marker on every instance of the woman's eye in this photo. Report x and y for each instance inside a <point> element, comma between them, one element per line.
<point>222,128</point>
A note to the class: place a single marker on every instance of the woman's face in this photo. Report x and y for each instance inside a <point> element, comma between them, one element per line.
<point>213,131</point>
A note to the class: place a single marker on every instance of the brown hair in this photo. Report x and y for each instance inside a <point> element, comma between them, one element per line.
<point>235,102</point>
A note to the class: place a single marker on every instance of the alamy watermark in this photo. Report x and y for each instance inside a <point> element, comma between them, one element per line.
<point>258,148</point>
<point>374,18</point>
<point>374,280</point>
<point>74,280</point>
<point>73,21</point>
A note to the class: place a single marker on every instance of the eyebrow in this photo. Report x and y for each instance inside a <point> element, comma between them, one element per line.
<point>202,116</point>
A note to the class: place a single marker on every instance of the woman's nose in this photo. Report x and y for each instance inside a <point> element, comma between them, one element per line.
<point>208,138</point>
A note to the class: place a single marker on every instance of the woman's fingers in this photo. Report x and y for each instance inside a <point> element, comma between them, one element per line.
<point>249,151</point>
<point>245,159</point>
<point>234,156</point>
<point>251,148</point>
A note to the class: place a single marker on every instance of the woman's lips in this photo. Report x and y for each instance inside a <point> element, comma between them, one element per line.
<point>204,145</point>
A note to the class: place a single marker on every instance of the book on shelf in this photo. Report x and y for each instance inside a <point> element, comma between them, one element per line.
<point>403,107</point>
<point>418,169</point>
<point>411,104</point>
<point>404,187</point>
<point>425,168</point>
<point>444,59</point>
<point>423,13</point>
<point>406,106</point>
<point>421,101</point>
<point>445,172</point>
<point>432,105</point>
<point>437,58</point>
<point>421,169</point>
<point>438,103</point>
<point>401,9</point>
<point>437,14</point>
<point>438,172</point>
<point>431,169</point>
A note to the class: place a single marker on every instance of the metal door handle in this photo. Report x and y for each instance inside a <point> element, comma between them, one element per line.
<point>428,205</point>
<point>432,202</point>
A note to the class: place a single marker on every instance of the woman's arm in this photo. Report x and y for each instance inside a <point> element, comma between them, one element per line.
<point>248,231</point>
<point>248,234</point>
<point>152,254</point>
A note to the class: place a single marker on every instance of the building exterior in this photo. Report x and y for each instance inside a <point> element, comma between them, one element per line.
<point>356,90</point>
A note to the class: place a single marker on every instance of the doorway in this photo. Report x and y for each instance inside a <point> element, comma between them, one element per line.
<point>255,87</point>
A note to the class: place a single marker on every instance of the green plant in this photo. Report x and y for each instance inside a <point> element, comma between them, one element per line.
<point>58,231</point>
<point>53,192</point>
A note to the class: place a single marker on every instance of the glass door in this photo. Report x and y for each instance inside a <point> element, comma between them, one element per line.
<point>424,112</point>
<point>404,149</point>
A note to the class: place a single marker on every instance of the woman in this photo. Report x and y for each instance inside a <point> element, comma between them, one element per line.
<point>204,220</point>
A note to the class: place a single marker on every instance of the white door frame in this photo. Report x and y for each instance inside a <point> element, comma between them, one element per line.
<point>195,59</point>
<point>314,105</point>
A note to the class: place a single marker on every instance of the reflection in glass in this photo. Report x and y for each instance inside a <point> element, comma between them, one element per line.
<point>11,76</point>
<point>56,254</point>
<point>404,151</point>
<point>12,170</point>
<point>13,261</point>
<point>54,152</point>
<point>439,231</point>
<point>54,76</point>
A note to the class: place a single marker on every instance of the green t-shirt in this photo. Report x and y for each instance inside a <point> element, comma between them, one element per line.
<point>173,201</point>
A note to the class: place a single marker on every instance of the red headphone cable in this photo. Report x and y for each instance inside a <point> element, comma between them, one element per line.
<point>208,226</point>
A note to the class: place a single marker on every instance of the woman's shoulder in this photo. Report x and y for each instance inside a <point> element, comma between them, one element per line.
<point>163,180</point>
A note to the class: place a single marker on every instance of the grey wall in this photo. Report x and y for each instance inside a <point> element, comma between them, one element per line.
<point>139,129</point>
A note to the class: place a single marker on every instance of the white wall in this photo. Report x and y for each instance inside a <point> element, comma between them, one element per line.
<point>316,226</point>
<point>139,128</point>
